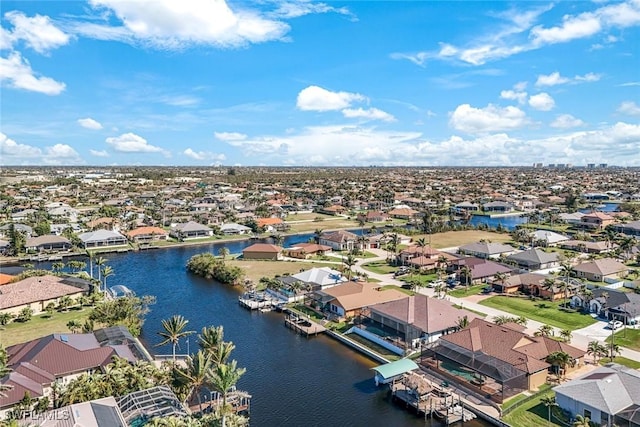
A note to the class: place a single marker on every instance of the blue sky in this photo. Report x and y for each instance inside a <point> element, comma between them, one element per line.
<point>277,82</point>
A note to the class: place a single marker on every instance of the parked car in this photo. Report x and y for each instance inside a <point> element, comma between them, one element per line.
<point>401,271</point>
<point>487,289</point>
<point>615,324</point>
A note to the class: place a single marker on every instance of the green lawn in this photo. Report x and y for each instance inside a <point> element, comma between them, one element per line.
<point>629,363</point>
<point>629,338</point>
<point>462,292</point>
<point>379,267</point>
<point>398,288</point>
<point>40,326</point>
<point>423,279</point>
<point>532,413</point>
<point>542,311</point>
<point>520,397</point>
<point>303,309</point>
<point>479,313</point>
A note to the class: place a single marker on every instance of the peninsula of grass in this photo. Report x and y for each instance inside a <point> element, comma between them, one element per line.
<point>467,292</point>
<point>629,338</point>
<point>379,267</point>
<point>629,363</point>
<point>542,311</point>
<point>41,325</point>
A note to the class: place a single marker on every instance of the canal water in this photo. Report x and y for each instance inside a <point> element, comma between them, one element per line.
<point>294,381</point>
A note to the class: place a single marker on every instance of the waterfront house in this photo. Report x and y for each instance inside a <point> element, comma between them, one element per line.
<point>306,250</point>
<point>534,259</point>
<point>608,396</point>
<point>574,218</point>
<point>59,358</point>
<point>271,224</point>
<point>50,243</point>
<point>498,206</point>
<point>332,210</point>
<point>319,278</point>
<point>190,230</point>
<point>372,216</point>
<point>499,360</point>
<point>102,239</point>
<point>485,249</point>
<point>348,299</point>
<point>341,240</point>
<point>147,234</point>
<point>418,319</point>
<point>600,269</point>
<point>262,251</point>
<point>233,228</point>
<point>403,213</point>
<point>415,251</point>
<point>38,291</point>
<point>21,228</point>
<point>103,412</point>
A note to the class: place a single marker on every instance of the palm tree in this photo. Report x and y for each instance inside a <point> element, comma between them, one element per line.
<point>521,321</point>
<point>210,338</point>
<point>501,278</point>
<point>100,261</point>
<point>566,335</point>
<point>463,322</point>
<point>223,252</point>
<point>349,262</point>
<point>565,271</point>
<point>223,379</point>
<point>196,374</point>
<point>550,284</point>
<point>91,257</point>
<point>614,350</point>
<point>549,401</point>
<point>74,326</point>
<point>422,243</point>
<point>560,360</point>
<point>222,352</point>
<point>596,350</point>
<point>106,271</point>
<point>57,266</point>
<point>317,234</point>
<point>173,331</point>
<point>544,331</point>
<point>582,421</point>
<point>466,272</point>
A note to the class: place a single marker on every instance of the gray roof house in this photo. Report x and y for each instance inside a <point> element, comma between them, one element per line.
<point>631,228</point>
<point>233,228</point>
<point>535,259</point>
<point>549,238</point>
<point>190,230</point>
<point>320,278</point>
<point>609,395</point>
<point>600,269</point>
<point>102,238</point>
<point>487,249</point>
<point>49,242</point>
<point>24,229</point>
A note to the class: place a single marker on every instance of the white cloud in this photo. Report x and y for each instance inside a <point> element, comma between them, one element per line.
<point>13,153</point>
<point>369,114</point>
<point>490,119</point>
<point>514,95</point>
<point>573,27</point>
<point>542,102</point>
<point>38,32</point>
<point>102,153</point>
<point>555,79</point>
<point>17,73</point>
<point>230,136</point>
<point>289,9</point>
<point>204,155</point>
<point>315,98</point>
<point>132,143</point>
<point>566,121</point>
<point>6,42</point>
<point>89,123</point>
<point>170,24</point>
<point>417,58</point>
<point>629,108</point>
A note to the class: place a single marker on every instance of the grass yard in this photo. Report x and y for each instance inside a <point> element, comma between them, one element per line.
<point>398,288</point>
<point>459,238</point>
<point>533,413</point>
<point>310,216</point>
<point>379,267</point>
<point>422,279</point>
<point>629,338</point>
<point>479,313</point>
<point>328,224</point>
<point>462,292</point>
<point>542,311</point>
<point>629,363</point>
<point>255,270</point>
<point>40,326</point>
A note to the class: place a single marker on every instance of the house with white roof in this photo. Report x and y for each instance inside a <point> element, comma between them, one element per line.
<point>608,396</point>
<point>548,238</point>
<point>102,239</point>
<point>320,278</point>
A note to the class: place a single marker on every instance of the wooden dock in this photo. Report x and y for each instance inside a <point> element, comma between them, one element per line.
<point>303,326</point>
<point>428,399</point>
<point>257,301</point>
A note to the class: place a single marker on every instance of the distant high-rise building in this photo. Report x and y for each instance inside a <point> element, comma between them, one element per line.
<point>560,165</point>
<point>603,165</point>
<point>591,165</point>
<point>552,165</point>
<point>537,165</point>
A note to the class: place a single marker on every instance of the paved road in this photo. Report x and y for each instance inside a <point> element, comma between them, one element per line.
<point>581,337</point>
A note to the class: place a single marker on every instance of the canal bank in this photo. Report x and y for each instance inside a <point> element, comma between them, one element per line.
<point>294,381</point>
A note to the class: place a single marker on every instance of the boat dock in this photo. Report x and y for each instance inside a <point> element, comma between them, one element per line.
<point>257,301</point>
<point>302,325</point>
<point>429,399</point>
